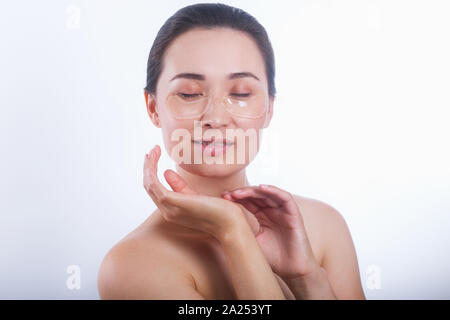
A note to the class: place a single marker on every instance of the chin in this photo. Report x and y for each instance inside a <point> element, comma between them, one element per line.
<point>213,170</point>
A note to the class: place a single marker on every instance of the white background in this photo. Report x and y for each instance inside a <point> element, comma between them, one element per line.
<point>361,123</point>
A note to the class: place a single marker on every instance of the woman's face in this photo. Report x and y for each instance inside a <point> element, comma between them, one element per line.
<point>210,121</point>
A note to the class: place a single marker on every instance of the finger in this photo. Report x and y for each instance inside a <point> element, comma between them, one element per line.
<point>280,196</point>
<point>183,200</point>
<point>252,192</point>
<point>242,188</point>
<point>260,199</point>
<point>263,218</point>
<point>177,183</point>
<point>151,182</point>
<point>199,204</point>
<point>252,204</point>
<point>261,203</point>
<point>270,216</point>
<point>151,162</point>
<point>227,196</point>
<point>248,204</point>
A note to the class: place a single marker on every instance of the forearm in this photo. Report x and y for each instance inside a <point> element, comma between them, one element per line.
<point>312,287</point>
<point>252,277</point>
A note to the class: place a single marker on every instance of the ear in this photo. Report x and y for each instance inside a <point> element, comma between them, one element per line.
<point>269,112</point>
<point>150,102</point>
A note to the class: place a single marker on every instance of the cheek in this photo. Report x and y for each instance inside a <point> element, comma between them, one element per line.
<point>174,131</point>
<point>255,124</point>
<point>252,127</point>
<point>249,132</point>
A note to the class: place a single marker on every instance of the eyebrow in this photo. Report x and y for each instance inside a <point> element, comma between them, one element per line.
<point>201,77</point>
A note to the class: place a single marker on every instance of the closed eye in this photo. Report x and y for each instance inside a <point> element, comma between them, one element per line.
<point>193,95</point>
<point>241,95</point>
<point>189,95</point>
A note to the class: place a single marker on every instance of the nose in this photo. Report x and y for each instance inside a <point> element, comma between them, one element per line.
<point>216,115</point>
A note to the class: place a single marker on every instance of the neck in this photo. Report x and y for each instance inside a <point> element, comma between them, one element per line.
<point>213,186</point>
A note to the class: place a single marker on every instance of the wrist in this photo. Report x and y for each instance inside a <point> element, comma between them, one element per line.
<point>314,285</point>
<point>233,231</point>
<point>304,280</point>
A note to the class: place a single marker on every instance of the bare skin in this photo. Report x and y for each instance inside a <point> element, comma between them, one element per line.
<point>186,253</point>
<point>199,260</point>
<point>163,260</point>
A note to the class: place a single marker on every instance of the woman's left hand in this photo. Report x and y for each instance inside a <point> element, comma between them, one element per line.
<point>282,235</point>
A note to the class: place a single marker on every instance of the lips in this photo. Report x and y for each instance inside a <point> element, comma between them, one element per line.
<point>213,142</point>
<point>212,146</point>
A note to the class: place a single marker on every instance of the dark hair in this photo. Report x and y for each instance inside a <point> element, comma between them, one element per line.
<point>208,15</point>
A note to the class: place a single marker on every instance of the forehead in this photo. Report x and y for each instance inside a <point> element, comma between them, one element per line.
<point>214,53</point>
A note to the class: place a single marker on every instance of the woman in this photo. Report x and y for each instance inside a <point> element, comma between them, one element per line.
<point>210,81</point>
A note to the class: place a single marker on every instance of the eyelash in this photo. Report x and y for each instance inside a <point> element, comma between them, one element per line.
<point>187,95</point>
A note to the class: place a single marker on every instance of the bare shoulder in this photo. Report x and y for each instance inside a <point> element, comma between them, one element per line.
<point>327,226</point>
<point>144,266</point>
<point>321,215</point>
<point>317,209</point>
<point>319,218</point>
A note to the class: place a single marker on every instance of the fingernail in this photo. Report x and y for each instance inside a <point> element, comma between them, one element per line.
<point>264,185</point>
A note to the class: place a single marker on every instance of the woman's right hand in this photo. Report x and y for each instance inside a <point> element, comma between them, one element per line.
<point>183,206</point>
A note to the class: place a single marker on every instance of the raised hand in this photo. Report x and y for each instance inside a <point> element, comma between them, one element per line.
<point>183,206</point>
<point>282,235</point>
